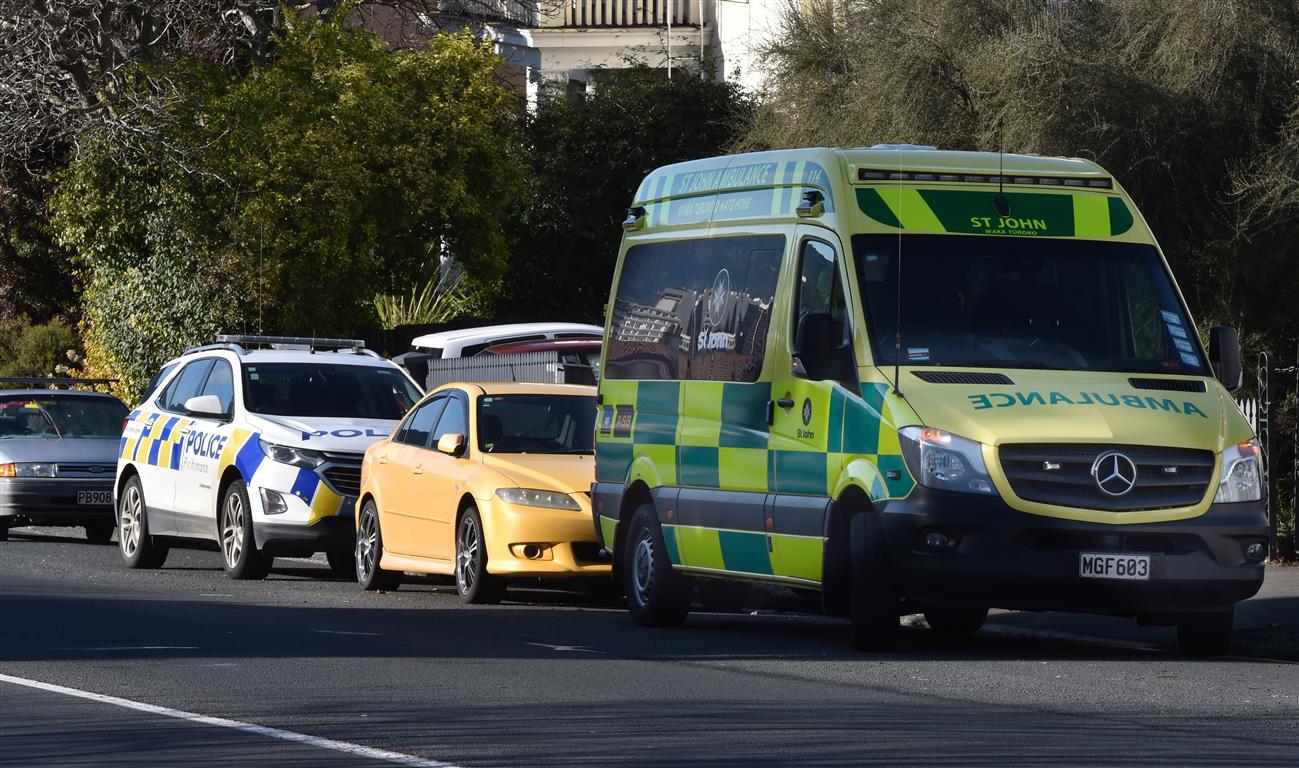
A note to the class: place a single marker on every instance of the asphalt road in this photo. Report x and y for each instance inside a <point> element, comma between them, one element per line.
<point>303,670</point>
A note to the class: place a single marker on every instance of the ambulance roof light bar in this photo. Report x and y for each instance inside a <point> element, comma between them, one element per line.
<point>878,174</point>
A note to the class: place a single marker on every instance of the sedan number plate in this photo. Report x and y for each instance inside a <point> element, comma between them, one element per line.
<point>1096,565</point>
<point>95,497</point>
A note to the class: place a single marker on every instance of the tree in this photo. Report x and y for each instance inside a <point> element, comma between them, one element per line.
<point>284,200</point>
<point>587,155</point>
<point>1175,99</point>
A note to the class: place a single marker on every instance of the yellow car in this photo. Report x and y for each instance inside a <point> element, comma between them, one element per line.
<point>486,482</point>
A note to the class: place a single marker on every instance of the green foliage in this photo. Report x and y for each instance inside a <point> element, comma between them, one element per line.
<point>48,349</point>
<point>587,156</point>
<point>438,301</point>
<point>285,200</point>
<point>1172,98</point>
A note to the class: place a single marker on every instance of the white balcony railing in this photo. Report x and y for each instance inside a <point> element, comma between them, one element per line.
<point>628,13</point>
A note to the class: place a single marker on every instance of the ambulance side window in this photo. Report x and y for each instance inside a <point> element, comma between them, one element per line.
<point>694,309</point>
<point>187,384</point>
<point>822,338</point>
<point>221,383</point>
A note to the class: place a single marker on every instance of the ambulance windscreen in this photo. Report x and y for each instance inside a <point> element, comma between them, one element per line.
<point>1018,302</point>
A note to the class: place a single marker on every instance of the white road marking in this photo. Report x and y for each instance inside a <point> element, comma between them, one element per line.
<point>341,632</point>
<point>570,648</point>
<point>260,730</point>
<point>213,594</point>
<point>98,648</point>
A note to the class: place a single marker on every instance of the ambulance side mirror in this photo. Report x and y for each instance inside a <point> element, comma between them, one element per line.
<point>206,405</point>
<point>1224,356</point>
<point>452,444</point>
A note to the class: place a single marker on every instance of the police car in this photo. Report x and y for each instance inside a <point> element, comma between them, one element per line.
<point>255,443</point>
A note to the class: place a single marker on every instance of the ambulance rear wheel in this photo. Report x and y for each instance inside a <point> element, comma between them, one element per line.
<point>1206,634</point>
<point>139,549</point>
<point>239,553</point>
<point>873,609</point>
<point>657,596</point>
<point>955,619</point>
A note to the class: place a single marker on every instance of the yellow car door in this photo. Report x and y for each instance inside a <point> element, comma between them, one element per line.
<point>444,478</point>
<point>401,480</point>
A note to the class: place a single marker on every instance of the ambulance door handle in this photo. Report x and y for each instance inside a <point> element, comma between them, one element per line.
<point>783,402</point>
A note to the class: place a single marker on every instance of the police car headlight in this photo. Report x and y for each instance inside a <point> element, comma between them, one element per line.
<point>944,461</point>
<point>287,454</point>
<point>1242,474</point>
<point>532,497</point>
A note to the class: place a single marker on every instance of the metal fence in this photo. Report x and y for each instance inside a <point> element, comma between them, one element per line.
<point>1273,411</point>
<point>536,367</point>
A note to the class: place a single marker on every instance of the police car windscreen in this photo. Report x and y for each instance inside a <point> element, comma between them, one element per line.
<point>1023,302</point>
<point>55,416</point>
<point>536,424</point>
<point>327,391</point>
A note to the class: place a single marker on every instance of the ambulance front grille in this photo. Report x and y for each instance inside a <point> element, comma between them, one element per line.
<point>1062,475</point>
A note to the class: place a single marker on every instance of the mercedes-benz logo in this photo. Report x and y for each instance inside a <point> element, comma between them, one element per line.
<point>717,302</point>
<point>1115,473</point>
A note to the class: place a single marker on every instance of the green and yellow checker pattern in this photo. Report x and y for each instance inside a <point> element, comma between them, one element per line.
<point>714,436</point>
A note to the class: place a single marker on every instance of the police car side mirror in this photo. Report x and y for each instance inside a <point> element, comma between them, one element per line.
<point>1224,356</point>
<point>451,444</point>
<point>205,405</point>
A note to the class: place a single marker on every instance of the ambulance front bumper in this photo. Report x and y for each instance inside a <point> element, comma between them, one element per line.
<point>995,556</point>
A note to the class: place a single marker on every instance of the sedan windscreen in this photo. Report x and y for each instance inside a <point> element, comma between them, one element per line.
<point>328,391</point>
<point>60,416</point>
<point>536,424</point>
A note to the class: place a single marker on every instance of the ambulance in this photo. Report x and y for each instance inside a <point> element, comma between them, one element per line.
<point>919,381</point>
<point>254,443</point>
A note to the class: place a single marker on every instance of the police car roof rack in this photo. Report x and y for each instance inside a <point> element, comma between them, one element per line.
<point>59,382</point>
<point>310,343</point>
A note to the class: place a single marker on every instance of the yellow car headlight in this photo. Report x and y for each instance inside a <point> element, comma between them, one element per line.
<point>533,497</point>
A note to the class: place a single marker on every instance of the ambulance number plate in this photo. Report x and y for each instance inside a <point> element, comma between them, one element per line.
<point>1098,565</point>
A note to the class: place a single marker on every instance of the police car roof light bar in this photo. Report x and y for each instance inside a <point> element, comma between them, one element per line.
<point>296,341</point>
<point>55,381</point>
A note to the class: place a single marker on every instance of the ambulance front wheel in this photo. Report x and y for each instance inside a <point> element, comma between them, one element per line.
<point>239,553</point>
<point>873,609</point>
<point>657,596</point>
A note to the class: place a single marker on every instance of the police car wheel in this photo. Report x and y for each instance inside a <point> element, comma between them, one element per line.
<point>955,619</point>
<point>657,596</point>
<point>873,609</point>
<point>139,549</point>
<point>99,533</point>
<point>369,552</point>
<point>1206,634</point>
<point>475,585</point>
<point>239,553</point>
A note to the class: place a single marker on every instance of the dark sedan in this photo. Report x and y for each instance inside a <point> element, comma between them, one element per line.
<point>58,451</point>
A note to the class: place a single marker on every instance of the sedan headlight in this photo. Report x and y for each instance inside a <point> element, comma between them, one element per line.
<point>27,469</point>
<point>532,497</point>
<point>287,454</point>
<point>1242,473</point>
<point>945,461</point>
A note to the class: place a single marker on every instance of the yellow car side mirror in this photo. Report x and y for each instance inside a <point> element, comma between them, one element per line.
<point>452,444</point>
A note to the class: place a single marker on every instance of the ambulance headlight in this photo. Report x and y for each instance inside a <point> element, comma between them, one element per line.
<point>944,461</point>
<point>287,454</point>
<point>1242,473</point>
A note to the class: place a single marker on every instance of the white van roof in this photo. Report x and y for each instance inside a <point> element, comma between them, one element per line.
<point>451,342</point>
